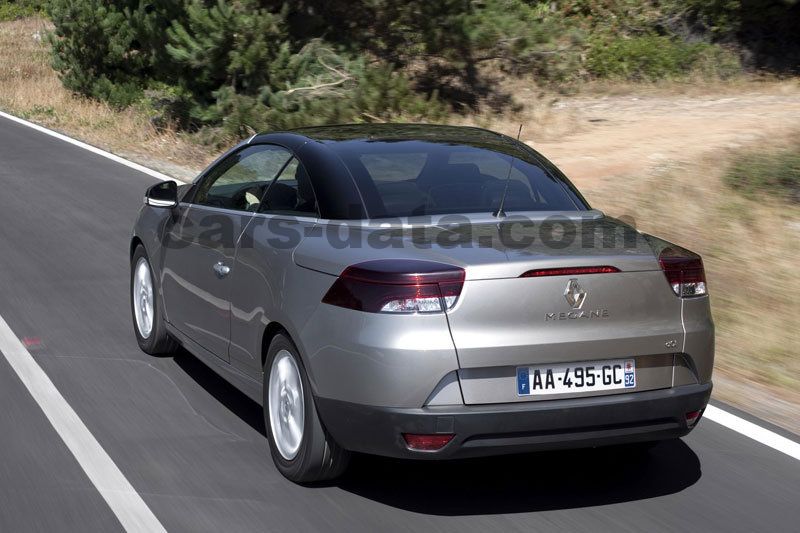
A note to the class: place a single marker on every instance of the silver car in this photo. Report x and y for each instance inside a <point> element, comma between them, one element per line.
<point>424,292</point>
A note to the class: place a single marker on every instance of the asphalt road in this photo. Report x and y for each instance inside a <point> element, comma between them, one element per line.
<point>194,448</point>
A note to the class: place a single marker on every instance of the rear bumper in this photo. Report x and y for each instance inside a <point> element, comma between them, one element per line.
<point>514,428</point>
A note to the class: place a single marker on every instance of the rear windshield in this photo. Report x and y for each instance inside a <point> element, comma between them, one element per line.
<point>411,178</point>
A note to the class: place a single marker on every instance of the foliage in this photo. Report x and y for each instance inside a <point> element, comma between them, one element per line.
<point>244,65</point>
<point>775,173</point>
<point>767,30</point>
<point>233,45</point>
<point>238,63</point>
<point>654,57</point>
<point>17,9</point>
<point>720,17</point>
<point>231,66</point>
<point>443,45</point>
<point>111,51</point>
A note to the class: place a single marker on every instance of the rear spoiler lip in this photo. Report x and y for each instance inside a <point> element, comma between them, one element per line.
<point>471,218</point>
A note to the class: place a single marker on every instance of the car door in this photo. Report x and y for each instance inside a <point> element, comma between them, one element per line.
<point>199,259</point>
<point>264,264</point>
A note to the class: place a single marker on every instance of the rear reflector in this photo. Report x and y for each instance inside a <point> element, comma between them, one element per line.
<point>573,271</point>
<point>426,443</point>
<point>397,286</point>
<point>684,272</point>
<point>692,417</point>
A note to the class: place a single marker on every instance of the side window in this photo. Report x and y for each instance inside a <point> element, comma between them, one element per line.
<point>291,193</point>
<point>239,182</point>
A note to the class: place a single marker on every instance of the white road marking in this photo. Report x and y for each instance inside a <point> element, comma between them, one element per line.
<point>93,149</point>
<point>116,490</point>
<point>754,431</point>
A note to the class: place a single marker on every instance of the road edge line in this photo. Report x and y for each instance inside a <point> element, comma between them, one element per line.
<point>753,431</point>
<point>126,504</point>
<point>90,148</point>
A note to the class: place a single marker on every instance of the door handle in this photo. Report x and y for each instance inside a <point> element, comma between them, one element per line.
<point>221,269</point>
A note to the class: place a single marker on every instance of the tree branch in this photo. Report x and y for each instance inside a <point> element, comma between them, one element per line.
<point>319,86</point>
<point>343,77</point>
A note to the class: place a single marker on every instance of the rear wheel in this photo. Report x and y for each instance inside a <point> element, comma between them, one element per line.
<point>148,320</point>
<point>301,448</point>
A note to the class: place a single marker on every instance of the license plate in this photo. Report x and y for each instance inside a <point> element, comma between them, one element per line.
<point>588,376</point>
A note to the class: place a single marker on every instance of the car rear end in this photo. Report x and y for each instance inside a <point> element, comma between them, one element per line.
<point>435,359</point>
<point>533,331</point>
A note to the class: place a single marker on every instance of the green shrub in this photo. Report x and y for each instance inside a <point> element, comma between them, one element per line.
<point>343,90</point>
<point>776,173</point>
<point>17,9</point>
<point>111,50</point>
<point>167,105</point>
<point>767,30</point>
<point>231,68</point>
<point>374,93</point>
<point>717,62</point>
<point>655,57</point>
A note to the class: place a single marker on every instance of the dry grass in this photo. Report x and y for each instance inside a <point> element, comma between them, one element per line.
<point>695,86</point>
<point>542,118</point>
<point>750,249</point>
<point>32,90</point>
<point>549,117</point>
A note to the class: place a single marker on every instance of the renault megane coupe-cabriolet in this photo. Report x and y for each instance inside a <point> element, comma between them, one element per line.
<point>418,291</point>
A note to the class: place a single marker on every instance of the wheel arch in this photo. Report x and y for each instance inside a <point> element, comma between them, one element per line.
<point>275,328</point>
<point>135,243</point>
<point>272,329</point>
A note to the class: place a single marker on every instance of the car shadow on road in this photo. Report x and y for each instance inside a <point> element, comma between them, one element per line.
<point>525,483</point>
<point>232,398</point>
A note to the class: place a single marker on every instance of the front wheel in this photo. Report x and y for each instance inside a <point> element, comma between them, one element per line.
<point>148,320</point>
<point>301,448</point>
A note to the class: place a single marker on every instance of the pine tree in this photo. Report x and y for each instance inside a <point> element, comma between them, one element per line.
<point>242,66</point>
<point>110,50</point>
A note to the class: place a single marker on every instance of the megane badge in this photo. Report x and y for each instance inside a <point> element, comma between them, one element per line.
<point>575,294</point>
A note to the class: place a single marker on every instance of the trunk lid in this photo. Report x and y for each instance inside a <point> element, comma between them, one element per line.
<point>502,320</point>
<point>484,247</point>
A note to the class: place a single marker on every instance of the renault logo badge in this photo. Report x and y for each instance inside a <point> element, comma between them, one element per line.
<point>575,294</point>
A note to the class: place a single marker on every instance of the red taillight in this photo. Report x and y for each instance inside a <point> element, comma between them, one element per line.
<point>692,417</point>
<point>684,272</point>
<point>426,443</point>
<point>397,286</point>
<point>572,271</point>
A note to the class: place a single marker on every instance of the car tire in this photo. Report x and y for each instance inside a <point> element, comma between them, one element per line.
<point>153,340</point>
<point>313,456</point>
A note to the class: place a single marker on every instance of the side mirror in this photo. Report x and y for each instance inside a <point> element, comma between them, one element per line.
<point>164,194</point>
